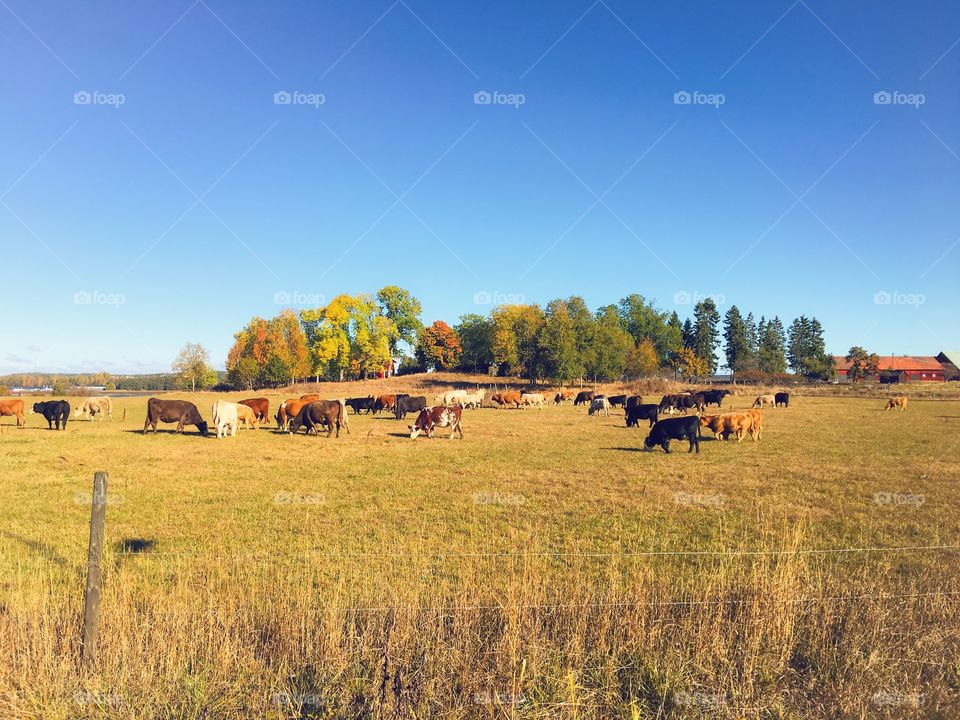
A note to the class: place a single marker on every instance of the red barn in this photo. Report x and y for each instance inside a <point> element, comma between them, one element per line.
<point>899,368</point>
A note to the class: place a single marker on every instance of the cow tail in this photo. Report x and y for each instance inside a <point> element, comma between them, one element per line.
<point>343,416</point>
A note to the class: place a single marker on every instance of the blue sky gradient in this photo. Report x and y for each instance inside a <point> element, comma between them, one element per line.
<point>199,202</point>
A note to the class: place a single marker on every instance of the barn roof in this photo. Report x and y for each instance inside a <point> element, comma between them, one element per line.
<point>898,362</point>
<point>950,356</point>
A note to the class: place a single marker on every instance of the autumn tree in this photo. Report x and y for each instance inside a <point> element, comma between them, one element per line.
<point>191,367</point>
<point>642,360</point>
<point>862,364</point>
<point>438,347</point>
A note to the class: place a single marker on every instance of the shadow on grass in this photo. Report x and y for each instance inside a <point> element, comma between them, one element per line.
<point>43,550</point>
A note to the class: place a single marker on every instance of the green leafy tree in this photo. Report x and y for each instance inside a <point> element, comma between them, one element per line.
<point>862,363</point>
<point>404,311</point>
<point>558,341</point>
<point>476,339</point>
<point>516,349</point>
<point>191,367</point>
<point>642,320</point>
<point>611,343</point>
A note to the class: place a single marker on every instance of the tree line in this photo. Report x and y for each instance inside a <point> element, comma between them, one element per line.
<point>362,336</point>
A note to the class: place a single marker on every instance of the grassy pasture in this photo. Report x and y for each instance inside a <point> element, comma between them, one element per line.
<point>541,567</point>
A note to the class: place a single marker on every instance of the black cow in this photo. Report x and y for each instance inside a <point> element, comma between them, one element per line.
<point>781,398</point>
<point>178,411</point>
<point>633,401</point>
<point>715,397</point>
<point>407,404</point>
<point>642,412</point>
<point>617,400</point>
<point>55,411</point>
<point>584,397</point>
<point>681,428</point>
<point>361,403</point>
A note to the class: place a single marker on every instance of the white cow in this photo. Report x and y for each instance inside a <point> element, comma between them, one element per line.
<point>225,418</point>
<point>473,400</point>
<point>101,406</point>
<point>600,404</point>
<point>449,397</point>
<point>532,399</point>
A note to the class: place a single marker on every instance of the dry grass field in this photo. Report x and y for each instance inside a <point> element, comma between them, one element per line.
<point>542,567</point>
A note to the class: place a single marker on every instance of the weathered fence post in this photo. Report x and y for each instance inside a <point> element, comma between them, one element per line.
<point>91,594</point>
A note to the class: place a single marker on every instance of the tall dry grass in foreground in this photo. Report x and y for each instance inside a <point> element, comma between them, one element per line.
<point>541,568</point>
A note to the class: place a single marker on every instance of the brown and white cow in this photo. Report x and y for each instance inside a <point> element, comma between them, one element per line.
<point>437,417</point>
<point>90,407</point>
<point>899,402</point>
<point>765,400</point>
<point>260,407</point>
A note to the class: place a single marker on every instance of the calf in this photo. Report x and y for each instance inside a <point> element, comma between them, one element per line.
<point>598,405</point>
<point>682,428</point>
<point>247,417</point>
<point>408,404</point>
<point>642,412</point>
<point>260,407</point>
<point>764,400</point>
<point>178,411</point>
<point>92,407</point>
<point>438,417</point>
<point>12,406</point>
<point>225,418</point>
<point>899,402</point>
<point>55,411</point>
<point>331,414</point>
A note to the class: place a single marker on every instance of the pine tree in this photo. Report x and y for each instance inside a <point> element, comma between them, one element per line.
<point>706,335</point>
<point>737,347</point>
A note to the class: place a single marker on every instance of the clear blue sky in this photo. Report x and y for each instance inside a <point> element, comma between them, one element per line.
<point>198,199</point>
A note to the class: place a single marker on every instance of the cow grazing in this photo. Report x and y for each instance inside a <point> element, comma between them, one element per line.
<point>617,400</point>
<point>449,397</point>
<point>899,402</point>
<point>310,397</point>
<point>472,400</point>
<point>642,412</point>
<point>714,397</point>
<point>361,403</point>
<point>506,398</point>
<point>14,407</point>
<point>438,417</point>
<point>633,401</point>
<point>562,396</point>
<point>55,412</point>
<point>331,414</point>
<point>599,405</point>
<point>260,407</point>
<point>764,400</point>
<point>288,410</point>
<point>532,400</point>
<point>681,428</point>
<point>97,406</point>
<point>178,411</point>
<point>225,417</point>
<point>408,404</point>
<point>584,397</point>
<point>384,402</point>
<point>247,417</point>
<point>726,424</point>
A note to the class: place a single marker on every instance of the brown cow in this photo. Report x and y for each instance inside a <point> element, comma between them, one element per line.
<point>288,410</point>
<point>438,417</point>
<point>311,397</point>
<point>757,427</point>
<point>260,406</point>
<point>178,411</point>
<point>723,425</point>
<point>562,396</point>
<point>897,402</point>
<point>247,416</point>
<point>384,402</point>
<point>506,398</point>
<point>12,406</point>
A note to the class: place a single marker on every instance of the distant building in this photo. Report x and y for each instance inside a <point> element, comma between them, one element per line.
<point>899,368</point>
<point>950,360</point>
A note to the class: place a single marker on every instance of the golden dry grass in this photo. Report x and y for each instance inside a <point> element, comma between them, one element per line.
<point>542,567</point>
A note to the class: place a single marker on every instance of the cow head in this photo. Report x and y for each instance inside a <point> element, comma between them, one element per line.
<point>38,408</point>
<point>423,424</point>
<point>202,427</point>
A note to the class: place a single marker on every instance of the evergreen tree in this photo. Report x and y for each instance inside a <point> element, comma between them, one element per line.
<point>737,347</point>
<point>706,334</point>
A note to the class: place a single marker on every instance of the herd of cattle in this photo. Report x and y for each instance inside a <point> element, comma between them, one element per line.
<point>313,414</point>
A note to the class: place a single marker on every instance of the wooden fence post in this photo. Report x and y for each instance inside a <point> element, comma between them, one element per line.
<point>91,594</point>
